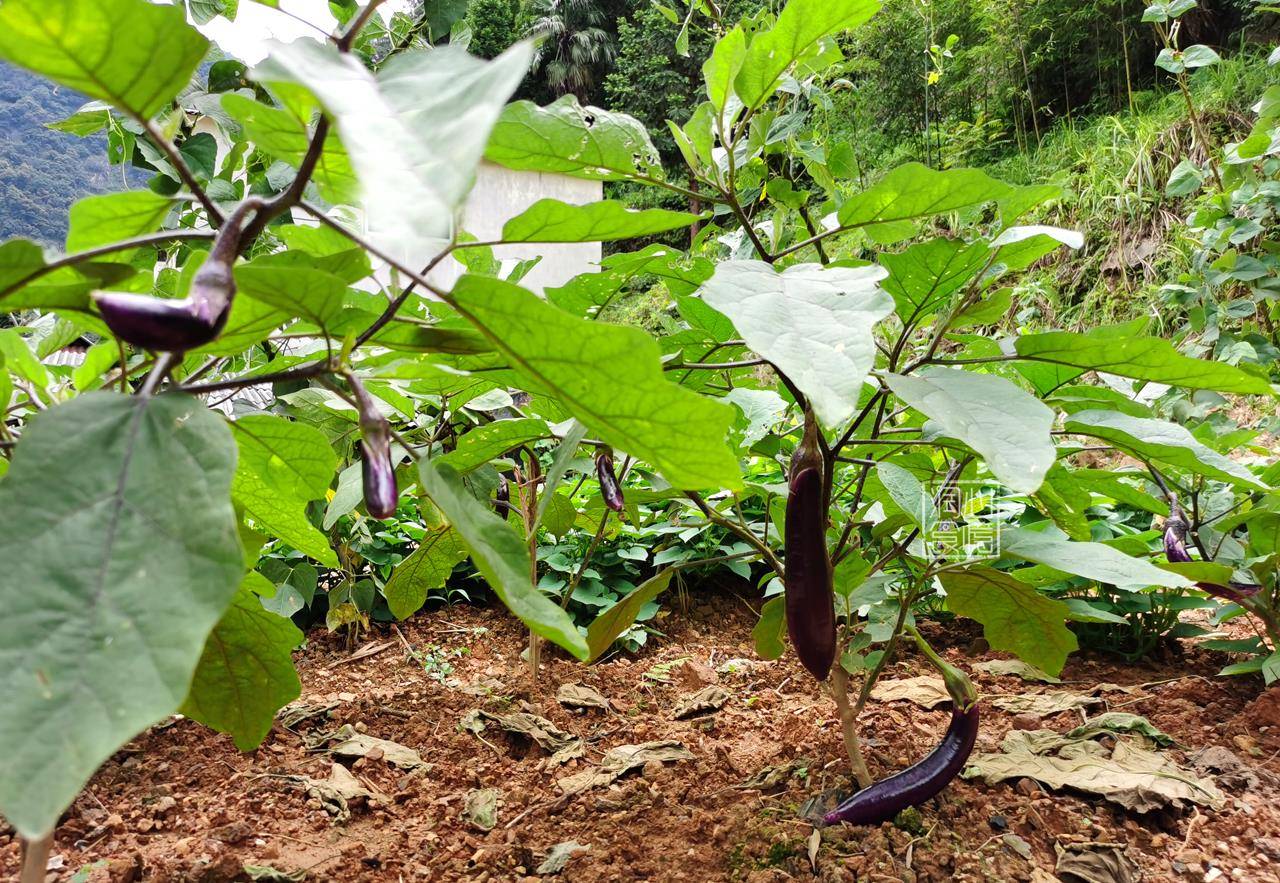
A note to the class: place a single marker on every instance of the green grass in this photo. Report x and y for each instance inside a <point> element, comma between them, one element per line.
<point>1113,170</point>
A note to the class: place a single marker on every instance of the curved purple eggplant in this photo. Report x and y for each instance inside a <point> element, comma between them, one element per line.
<point>608,479</point>
<point>155,323</point>
<point>1175,549</point>
<point>166,325</point>
<point>883,800</point>
<point>809,599</point>
<point>380,492</point>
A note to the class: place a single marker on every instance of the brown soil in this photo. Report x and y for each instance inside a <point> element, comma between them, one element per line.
<point>180,803</point>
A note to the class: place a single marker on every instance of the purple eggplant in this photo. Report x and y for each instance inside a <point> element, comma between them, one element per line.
<point>609,487</point>
<point>1175,549</point>
<point>380,492</point>
<point>883,800</point>
<point>179,325</point>
<point>809,599</point>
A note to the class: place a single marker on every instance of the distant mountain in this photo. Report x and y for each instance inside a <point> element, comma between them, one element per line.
<point>42,172</point>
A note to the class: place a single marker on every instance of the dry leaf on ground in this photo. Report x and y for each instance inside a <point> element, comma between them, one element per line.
<point>353,744</point>
<point>1016,668</point>
<point>563,746</point>
<point>481,808</point>
<point>1132,776</point>
<point>1044,704</point>
<point>706,700</point>
<point>622,759</point>
<point>1096,863</point>
<point>926,691</point>
<point>581,696</point>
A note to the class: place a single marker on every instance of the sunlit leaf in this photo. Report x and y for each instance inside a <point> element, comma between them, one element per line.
<point>1007,426</point>
<point>566,137</point>
<point>815,323</point>
<point>1161,441</point>
<point>1094,561</point>
<point>415,131</point>
<point>607,376</point>
<point>135,54</point>
<point>1116,350</point>
<point>549,220</point>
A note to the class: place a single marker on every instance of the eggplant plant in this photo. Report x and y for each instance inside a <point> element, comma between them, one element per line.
<point>821,324</point>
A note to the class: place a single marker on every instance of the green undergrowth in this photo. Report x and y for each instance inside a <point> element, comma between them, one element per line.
<point>1113,170</point>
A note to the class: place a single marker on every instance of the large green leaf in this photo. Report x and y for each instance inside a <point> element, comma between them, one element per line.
<point>98,220</point>
<point>283,466</point>
<point>1116,350</point>
<point>566,137</point>
<point>1094,561</point>
<point>915,191</point>
<point>427,568</point>
<point>19,258</point>
<point>415,132</point>
<point>501,556</point>
<point>815,323</point>
<point>1015,617</point>
<point>1007,426</point>
<point>769,634</point>
<point>246,672</point>
<point>722,66</point>
<point>484,443</point>
<point>796,33</point>
<point>120,554</point>
<point>299,291</point>
<point>550,220</point>
<point>923,278</point>
<point>615,620</point>
<point>1162,442</point>
<point>607,376</point>
<point>135,54</point>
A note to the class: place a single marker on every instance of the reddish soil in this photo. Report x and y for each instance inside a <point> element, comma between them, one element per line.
<point>180,803</point>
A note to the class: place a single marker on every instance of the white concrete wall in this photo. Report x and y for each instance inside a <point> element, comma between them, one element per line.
<point>499,195</point>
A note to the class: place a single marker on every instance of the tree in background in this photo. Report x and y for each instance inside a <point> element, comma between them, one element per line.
<point>575,47</point>
<point>495,25</point>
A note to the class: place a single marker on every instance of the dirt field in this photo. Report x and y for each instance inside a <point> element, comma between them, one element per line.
<point>180,803</point>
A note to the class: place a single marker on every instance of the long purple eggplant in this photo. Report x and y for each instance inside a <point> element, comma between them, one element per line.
<point>168,325</point>
<point>883,800</point>
<point>1175,549</point>
<point>609,487</point>
<point>810,600</point>
<point>380,492</point>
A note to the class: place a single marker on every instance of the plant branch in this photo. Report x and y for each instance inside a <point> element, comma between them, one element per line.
<point>301,373</point>
<point>292,194</point>
<point>715,366</point>
<point>349,37</point>
<point>184,171</point>
<point>81,257</point>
